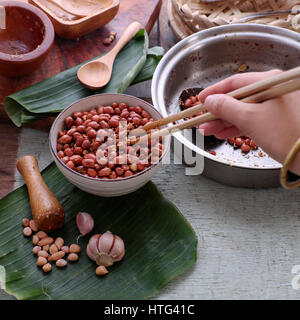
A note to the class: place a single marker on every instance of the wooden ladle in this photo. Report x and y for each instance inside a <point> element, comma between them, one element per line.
<point>97,73</point>
<point>82,8</point>
<point>47,212</point>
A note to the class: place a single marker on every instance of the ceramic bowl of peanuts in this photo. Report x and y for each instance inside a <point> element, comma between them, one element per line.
<point>104,249</point>
<point>95,144</point>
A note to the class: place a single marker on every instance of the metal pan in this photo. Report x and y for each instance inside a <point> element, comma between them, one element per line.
<point>209,56</point>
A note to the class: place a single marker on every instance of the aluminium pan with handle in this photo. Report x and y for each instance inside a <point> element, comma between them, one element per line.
<point>209,56</point>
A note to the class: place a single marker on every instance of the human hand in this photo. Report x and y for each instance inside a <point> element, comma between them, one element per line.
<point>274,125</point>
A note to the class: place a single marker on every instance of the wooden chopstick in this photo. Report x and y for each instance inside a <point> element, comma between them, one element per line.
<point>237,94</point>
<point>268,94</point>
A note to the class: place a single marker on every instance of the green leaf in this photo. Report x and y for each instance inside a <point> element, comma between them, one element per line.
<point>52,95</point>
<point>160,244</point>
<point>155,54</point>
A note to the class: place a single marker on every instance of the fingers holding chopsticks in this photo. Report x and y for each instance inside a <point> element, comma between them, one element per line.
<point>230,111</point>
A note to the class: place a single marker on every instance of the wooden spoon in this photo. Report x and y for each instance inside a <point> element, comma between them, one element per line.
<point>47,212</point>
<point>97,73</point>
<point>82,8</point>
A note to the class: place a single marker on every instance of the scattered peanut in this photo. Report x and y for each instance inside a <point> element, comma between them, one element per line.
<point>110,38</point>
<point>46,248</point>
<point>53,249</point>
<point>73,257</point>
<point>27,232</point>
<point>42,234</point>
<point>47,267</point>
<point>33,226</point>
<point>65,249</point>
<point>43,254</point>
<point>59,242</point>
<point>36,249</point>
<point>101,271</point>
<point>61,263</point>
<point>35,239</point>
<point>74,248</point>
<point>107,41</point>
<point>46,241</point>
<point>25,222</point>
<point>41,261</point>
<point>57,256</point>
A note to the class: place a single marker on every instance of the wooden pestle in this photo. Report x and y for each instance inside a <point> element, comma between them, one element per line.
<point>47,212</point>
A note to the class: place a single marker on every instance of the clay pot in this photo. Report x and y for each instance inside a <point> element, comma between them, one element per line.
<point>27,39</point>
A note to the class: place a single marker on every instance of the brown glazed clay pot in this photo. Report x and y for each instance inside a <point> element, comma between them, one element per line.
<point>27,39</point>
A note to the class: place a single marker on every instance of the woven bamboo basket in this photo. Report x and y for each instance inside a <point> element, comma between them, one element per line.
<point>189,16</point>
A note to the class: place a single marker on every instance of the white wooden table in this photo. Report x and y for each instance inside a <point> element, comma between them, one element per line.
<point>249,240</point>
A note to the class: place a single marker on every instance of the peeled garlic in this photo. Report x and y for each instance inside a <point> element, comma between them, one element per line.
<point>105,249</point>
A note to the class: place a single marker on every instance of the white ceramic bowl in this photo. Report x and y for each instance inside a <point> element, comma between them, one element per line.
<point>104,187</point>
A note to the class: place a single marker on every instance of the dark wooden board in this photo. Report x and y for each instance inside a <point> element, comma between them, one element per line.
<point>63,55</point>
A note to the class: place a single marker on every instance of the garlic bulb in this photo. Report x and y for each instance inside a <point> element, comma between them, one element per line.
<point>105,249</point>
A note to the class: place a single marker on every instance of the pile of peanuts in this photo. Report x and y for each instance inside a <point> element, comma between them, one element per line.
<point>243,142</point>
<point>47,249</point>
<point>78,145</point>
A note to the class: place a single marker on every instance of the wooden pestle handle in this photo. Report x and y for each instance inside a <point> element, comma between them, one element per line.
<point>47,212</point>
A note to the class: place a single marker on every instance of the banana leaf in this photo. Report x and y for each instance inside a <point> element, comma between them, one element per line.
<point>160,244</point>
<point>52,95</point>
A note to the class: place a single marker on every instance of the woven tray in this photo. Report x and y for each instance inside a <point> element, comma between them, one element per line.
<point>189,16</point>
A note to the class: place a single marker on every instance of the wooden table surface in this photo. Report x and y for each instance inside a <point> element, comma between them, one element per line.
<point>249,240</point>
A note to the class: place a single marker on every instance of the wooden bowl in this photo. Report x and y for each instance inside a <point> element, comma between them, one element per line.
<point>69,26</point>
<point>27,39</point>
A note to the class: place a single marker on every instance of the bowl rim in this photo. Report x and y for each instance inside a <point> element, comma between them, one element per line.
<point>53,148</point>
<point>47,41</point>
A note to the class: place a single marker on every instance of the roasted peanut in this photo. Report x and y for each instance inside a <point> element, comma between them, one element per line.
<point>35,239</point>
<point>41,261</point>
<point>25,222</point>
<point>101,271</point>
<point>46,241</point>
<point>65,249</point>
<point>74,248</point>
<point>43,254</point>
<point>33,226</point>
<point>47,267</point>
<point>42,235</point>
<point>61,263</point>
<point>56,256</point>
<point>27,232</point>
<point>53,249</point>
<point>36,249</point>
<point>46,248</point>
<point>59,242</point>
<point>73,257</point>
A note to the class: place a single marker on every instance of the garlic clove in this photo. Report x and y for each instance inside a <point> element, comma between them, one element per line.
<point>85,222</point>
<point>118,250</point>
<point>92,247</point>
<point>106,242</point>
